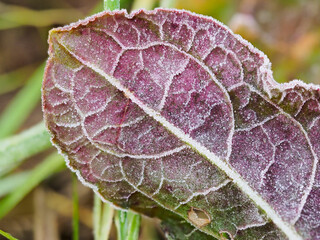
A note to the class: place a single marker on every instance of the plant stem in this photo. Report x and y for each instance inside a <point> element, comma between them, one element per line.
<point>7,235</point>
<point>102,221</point>
<point>111,5</point>
<point>96,217</point>
<point>106,221</point>
<point>49,166</point>
<point>22,104</point>
<point>75,205</point>
<point>15,149</point>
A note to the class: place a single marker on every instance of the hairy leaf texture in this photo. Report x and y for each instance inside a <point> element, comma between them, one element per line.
<point>172,115</point>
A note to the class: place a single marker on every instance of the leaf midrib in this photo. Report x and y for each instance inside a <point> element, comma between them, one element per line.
<point>287,229</point>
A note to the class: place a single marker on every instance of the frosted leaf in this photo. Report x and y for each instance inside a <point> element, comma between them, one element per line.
<point>170,114</point>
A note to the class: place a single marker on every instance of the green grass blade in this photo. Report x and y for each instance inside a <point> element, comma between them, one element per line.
<point>11,182</point>
<point>49,166</point>
<point>102,219</point>
<point>106,221</point>
<point>22,104</point>
<point>13,16</point>
<point>133,230</point>
<point>96,216</point>
<point>97,8</point>
<point>14,79</point>
<point>128,225</point>
<point>7,235</point>
<point>15,149</point>
<point>120,222</point>
<point>75,204</point>
<point>111,5</point>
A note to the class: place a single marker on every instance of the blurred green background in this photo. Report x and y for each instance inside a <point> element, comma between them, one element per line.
<point>288,31</point>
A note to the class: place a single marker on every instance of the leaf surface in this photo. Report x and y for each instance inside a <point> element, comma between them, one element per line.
<point>170,114</point>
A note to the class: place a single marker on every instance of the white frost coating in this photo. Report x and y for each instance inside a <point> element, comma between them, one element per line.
<point>131,184</point>
<point>264,171</point>
<point>301,106</point>
<point>192,37</point>
<point>138,33</point>
<point>238,61</point>
<point>74,140</point>
<point>222,88</point>
<point>205,192</point>
<point>251,225</point>
<point>94,156</point>
<point>101,109</point>
<point>127,124</point>
<point>62,101</point>
<point>65,156</point>
<point>191,170</point>
<point>259,124</point>
<point>169,82</point>
<point>297,82</point>
<point>161,181</point>
<point>114,66</point>
<point>58,86</point>
<point>268,85</point>
<point>141,156</point>
<point>314,122</point>
<point>69,125</point>
<point>142,173</point>
<point>231,173</point>
<point>238,180</point>
<point>315,157</point>
<point>190,233</point>
<point>269,233</point>
<point>236,86</point>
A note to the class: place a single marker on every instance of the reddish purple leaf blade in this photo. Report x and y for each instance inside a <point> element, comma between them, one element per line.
<point>168,112</point>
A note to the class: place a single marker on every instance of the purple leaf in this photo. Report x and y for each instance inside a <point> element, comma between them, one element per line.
<point>171,114</point>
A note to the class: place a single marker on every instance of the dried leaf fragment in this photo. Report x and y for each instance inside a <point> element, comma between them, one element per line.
<point>199,217</point>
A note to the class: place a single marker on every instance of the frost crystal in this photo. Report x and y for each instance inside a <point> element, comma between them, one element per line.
<point>171,114</point>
